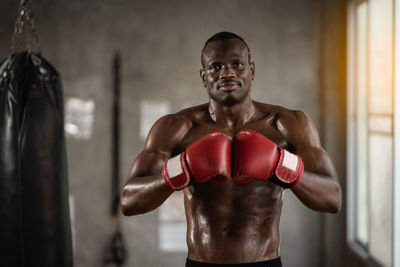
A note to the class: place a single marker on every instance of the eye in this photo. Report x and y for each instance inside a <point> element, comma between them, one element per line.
<point>215,67</point>
<point>237,65</point>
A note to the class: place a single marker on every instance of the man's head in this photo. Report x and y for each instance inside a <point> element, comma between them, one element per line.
<point>220,36</point>
<point>227,68</point>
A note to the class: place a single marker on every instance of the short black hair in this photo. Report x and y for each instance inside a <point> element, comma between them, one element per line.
<point>220,36</point>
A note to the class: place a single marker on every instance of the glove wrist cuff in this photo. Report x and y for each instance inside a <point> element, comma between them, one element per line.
<point>289,169</point>
<point>175,172</point>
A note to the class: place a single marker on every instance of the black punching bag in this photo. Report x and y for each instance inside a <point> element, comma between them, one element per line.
<point>35,228</point>
<point>10,189</point>
<point>35,225</point>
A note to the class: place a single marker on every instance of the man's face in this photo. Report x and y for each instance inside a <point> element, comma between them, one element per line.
<point>227,73</point>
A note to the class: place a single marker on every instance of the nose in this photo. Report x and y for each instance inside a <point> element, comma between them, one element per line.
<point>227,73</point>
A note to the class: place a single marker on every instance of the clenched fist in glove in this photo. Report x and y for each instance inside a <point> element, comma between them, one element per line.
<point>257,157</point>
<point>207,158</point>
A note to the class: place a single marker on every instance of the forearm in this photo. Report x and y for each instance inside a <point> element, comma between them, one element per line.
<point>143,194</point>
<point>318,192</point>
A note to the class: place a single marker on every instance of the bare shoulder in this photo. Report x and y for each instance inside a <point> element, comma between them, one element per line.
<point>170,129</point>
<point>298,127</point>
<point>290,116</point>
<point>295,125</point>
<point>268,109</point>
<point>195,113</point>
<point>165,135</point>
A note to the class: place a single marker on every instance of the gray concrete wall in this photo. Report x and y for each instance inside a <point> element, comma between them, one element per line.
<point>160,42</point>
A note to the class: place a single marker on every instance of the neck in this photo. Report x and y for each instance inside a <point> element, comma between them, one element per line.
<point>232,116</point>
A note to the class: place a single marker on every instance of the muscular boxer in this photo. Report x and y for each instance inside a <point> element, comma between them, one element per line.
<point>233,158</point>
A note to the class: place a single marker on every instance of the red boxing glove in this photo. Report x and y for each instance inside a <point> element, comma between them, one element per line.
<point>257,157</point>
<point>207,158</point>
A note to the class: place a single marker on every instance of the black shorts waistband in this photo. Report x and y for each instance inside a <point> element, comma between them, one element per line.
<point>269,263</point>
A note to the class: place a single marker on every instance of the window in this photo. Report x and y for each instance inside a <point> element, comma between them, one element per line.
<point>396,187</point>
<point>371,129</point>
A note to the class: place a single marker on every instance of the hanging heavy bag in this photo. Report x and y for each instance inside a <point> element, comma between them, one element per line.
<point>35,225</point>
<point>10,206</point>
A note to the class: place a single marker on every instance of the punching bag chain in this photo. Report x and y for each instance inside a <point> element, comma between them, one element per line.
<point>24,36</point>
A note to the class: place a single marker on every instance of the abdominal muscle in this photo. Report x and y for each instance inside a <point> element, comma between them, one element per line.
<point>233,223</point>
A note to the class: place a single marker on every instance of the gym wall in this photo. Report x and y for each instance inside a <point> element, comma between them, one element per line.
<point>160,43</point>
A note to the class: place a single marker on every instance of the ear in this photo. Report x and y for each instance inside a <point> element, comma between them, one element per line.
<point>203,76</point>
<point>253,69</point>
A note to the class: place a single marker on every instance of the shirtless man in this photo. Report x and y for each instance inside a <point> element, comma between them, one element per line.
<point>232,157</point>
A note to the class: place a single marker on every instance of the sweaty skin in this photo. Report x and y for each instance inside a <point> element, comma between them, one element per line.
<point>231,223</point>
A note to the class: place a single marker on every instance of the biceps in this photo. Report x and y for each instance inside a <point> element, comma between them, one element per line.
<point>317,160</point>
<point>147,163</point>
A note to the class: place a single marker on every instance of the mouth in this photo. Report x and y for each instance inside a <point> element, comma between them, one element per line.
<point>228,86</point>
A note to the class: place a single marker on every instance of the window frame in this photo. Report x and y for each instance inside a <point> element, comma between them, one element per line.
<point>351,123</point>
<point>359,252</point>
<point>396,133</point>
